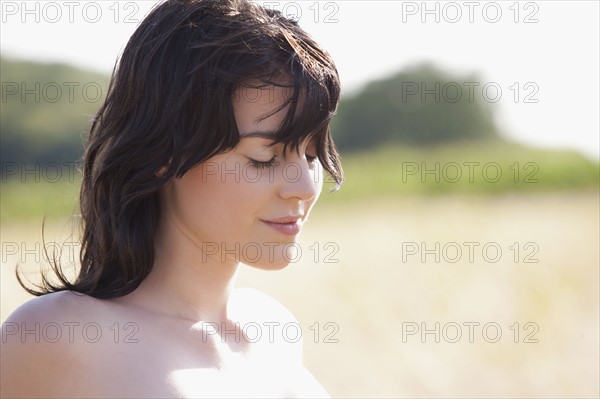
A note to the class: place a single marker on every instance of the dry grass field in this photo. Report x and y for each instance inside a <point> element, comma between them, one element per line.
<point>526,259</point>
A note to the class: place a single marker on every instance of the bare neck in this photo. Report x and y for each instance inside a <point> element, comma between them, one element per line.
<point>185,282</point>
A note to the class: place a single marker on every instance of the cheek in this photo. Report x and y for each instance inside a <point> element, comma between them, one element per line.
<point>317,179</point>
<point>219,202</point>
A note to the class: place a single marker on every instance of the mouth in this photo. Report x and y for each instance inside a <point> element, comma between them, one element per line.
<point>290,225</point>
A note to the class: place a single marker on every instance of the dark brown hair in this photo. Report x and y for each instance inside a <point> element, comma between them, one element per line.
<point>169,104</point>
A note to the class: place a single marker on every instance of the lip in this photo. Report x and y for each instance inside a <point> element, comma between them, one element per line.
<point>289,225</point>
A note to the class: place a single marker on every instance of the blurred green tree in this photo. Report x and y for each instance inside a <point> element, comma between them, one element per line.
<point>45,111</point>
<point>420,105</point>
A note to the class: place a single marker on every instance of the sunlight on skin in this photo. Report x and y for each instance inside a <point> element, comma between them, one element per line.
<point>234,382</point>
<point>258,380</point>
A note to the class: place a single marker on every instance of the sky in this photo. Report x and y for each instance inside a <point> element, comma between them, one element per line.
<point>538,61</point>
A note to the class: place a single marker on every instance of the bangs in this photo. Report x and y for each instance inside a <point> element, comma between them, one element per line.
<point>311,103</point>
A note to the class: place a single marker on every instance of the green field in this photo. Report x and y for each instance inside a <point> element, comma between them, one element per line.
<point>481,168</point>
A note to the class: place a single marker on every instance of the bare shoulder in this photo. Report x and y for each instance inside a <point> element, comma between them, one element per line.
<point>267,310</point>
<point>34,348</point>
<point>43,312</point>
<point>49,306</point>
<point>274,325</point>
<point>253,305</point>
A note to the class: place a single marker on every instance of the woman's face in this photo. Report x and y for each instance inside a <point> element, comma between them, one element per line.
<point>230,206</point>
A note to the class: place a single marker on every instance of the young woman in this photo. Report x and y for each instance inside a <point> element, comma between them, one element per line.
<point>207,154</point>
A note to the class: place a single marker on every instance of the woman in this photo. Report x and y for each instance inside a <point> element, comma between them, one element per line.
<point>206,154</point>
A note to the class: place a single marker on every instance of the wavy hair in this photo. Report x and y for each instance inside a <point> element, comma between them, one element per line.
<point>169,106</point>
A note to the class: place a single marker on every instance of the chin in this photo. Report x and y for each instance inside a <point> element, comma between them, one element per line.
<point>266,264</point>
<point>270,257</point>
<point>276,262</point>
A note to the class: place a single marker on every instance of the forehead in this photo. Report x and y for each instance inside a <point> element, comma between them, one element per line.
<point>254,107</point>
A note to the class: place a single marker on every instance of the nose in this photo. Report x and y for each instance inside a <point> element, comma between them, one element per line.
<point>299,180</point>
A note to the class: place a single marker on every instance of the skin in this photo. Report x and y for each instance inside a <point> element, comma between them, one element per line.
<point>182,332</point>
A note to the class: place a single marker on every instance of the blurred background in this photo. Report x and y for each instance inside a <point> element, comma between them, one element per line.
<point>459,259</point>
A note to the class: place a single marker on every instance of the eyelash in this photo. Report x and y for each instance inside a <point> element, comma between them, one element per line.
<point>262,165</point>
<point>270,163</point>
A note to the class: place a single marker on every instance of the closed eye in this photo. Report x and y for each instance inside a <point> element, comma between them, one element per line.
<point>261,164</point>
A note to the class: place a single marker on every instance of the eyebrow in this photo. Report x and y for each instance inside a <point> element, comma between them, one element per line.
<point>268,134</point>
